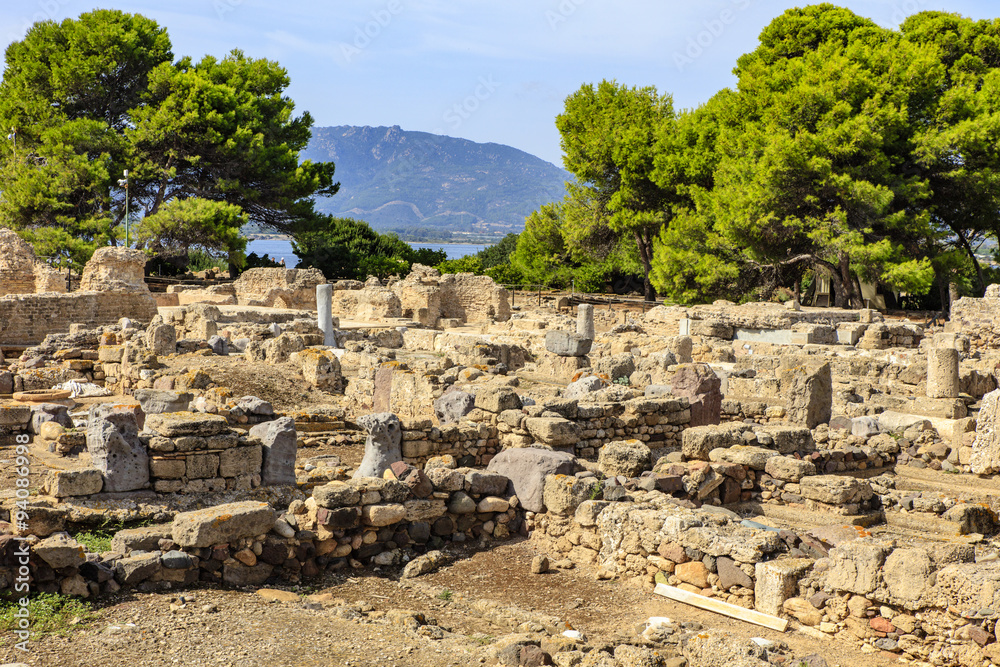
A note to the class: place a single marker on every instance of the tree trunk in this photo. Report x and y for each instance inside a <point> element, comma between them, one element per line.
<point>980,279</point>
<point>645,247</point>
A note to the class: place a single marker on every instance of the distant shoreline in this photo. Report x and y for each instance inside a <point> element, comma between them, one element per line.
<point>285,237</point>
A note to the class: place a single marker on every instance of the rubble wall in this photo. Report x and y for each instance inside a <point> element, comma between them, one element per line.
<point>279,288</point>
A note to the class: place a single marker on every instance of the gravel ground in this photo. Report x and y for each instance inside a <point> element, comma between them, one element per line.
<point>361,619</point>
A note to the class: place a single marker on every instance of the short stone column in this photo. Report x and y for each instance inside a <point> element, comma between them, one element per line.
<point>585,321</point>
<point>942,372</point>
<point>324,311</point>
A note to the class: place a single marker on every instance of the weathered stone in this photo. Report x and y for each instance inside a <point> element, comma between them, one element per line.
<point>66,483</point>
<point>161,339</point>
<point>803,610</point>
<point>382,446</point>
<point>279,443</point>
<point>694,573</point>
<point>565,344</point>
<point>554,431</point>
<point>222,524</point>
<point>562,494</point>
<point>776,581</point>
<point>497,398</point>
<point>583,387</point>
<point>238,574</point>
<point>942,372</point>
<point>788,468</point>
<point>809,388</point>
<point>855,566</point>
<point>453,405</point>
<point>755,458</point>
<point>238,461</point>
<point>702,387</point>
<point>834,490</point>
<point>179,424</point>
<point>144,538</point>
<point>117,452</point>
<point>906,574</point>
<point>585,321</point>
<point>986,448</point>
<point>153,401</point>
<point>383,515</point>
<point>44,413</point>
<point>527,469</point>
<point>135,569</point>
<point>425,564</point>
<point>698,441</point>
<point>60,550</point>
<point>730,574</point>
<point>624,457</point>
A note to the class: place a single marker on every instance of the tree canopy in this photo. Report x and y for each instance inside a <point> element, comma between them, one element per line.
<point>88,98</point>
<point>846,150</point>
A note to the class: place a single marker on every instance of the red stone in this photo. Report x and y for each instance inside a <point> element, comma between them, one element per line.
<point>880,624</point>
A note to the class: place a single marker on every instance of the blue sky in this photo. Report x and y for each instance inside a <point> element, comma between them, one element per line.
<point>486,71</point>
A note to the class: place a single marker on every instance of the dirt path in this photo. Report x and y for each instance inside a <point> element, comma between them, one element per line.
<point>473,601</point>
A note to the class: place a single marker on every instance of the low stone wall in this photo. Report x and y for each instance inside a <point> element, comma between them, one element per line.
<point>278,288</point>
<point>364,521</point>
<point>26,319</point>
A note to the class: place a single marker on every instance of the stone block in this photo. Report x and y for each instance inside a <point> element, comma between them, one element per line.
<point>66,483</point>
<point>527,469</point>
<point>240,461</point>
<point>279,442</point>
<point>776,581</point>
<point>565,344</point>
<point>222,524</point>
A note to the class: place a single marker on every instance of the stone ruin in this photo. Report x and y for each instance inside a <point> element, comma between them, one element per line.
<point>832,468</point>
<point>35,302</point>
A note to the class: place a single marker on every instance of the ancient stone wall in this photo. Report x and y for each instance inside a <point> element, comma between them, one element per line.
<point>17,261</point>
<point>27,318</point>
<point>113,269</point>
<point>427,296</point>
<point>370,520</point>
<point>279,288</point>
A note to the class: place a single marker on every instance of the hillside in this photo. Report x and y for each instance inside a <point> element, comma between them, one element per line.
<point>423,185</point>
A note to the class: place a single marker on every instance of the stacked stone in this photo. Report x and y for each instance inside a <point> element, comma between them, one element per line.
<point>585,428</point>
<point>15,421</point>
<point>469,443</point>
<point>197,453</point>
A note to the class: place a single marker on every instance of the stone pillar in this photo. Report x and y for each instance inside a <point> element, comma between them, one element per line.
<point>324,309</point>
<point>585,321</point>
<point>942,372</point>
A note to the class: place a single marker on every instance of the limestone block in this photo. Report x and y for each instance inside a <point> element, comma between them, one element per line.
<point>788,468</point>
<point>116,451</point>
<point>985,458</point>
<point>279,442</point>
<point>565,344</point>
<point>496,399</point>
<point>834,490</point>
<point>240,461</point>
<point>222,524</point>
<point>624,457</point>
<point>776,581</point>
<point>65,483</point>
<point>809,391</point>
<point>562,494</point>
<point>382,446</point>
<point>554,431</point>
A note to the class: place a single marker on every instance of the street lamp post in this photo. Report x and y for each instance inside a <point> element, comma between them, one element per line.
<point>123,182</point>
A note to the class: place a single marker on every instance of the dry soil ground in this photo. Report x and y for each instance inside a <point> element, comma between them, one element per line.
<point>240,629</point>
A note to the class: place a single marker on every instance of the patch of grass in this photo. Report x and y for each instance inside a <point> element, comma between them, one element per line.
<point>49,613</point>
<point>98,539</point>
<point>95,541</point>
<point>481,639</point>
<point>445,595</point>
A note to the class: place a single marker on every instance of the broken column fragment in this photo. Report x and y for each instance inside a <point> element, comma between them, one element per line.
<point>382,447</point>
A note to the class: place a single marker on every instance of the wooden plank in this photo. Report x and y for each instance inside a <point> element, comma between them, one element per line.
<point>720,607</point>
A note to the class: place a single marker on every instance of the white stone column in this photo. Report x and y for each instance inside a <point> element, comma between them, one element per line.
<point>942,372</point>
<point>324,311</point>
<point>585,321</point>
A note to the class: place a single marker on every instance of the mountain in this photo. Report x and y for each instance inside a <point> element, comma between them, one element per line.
<point>423,185</point>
